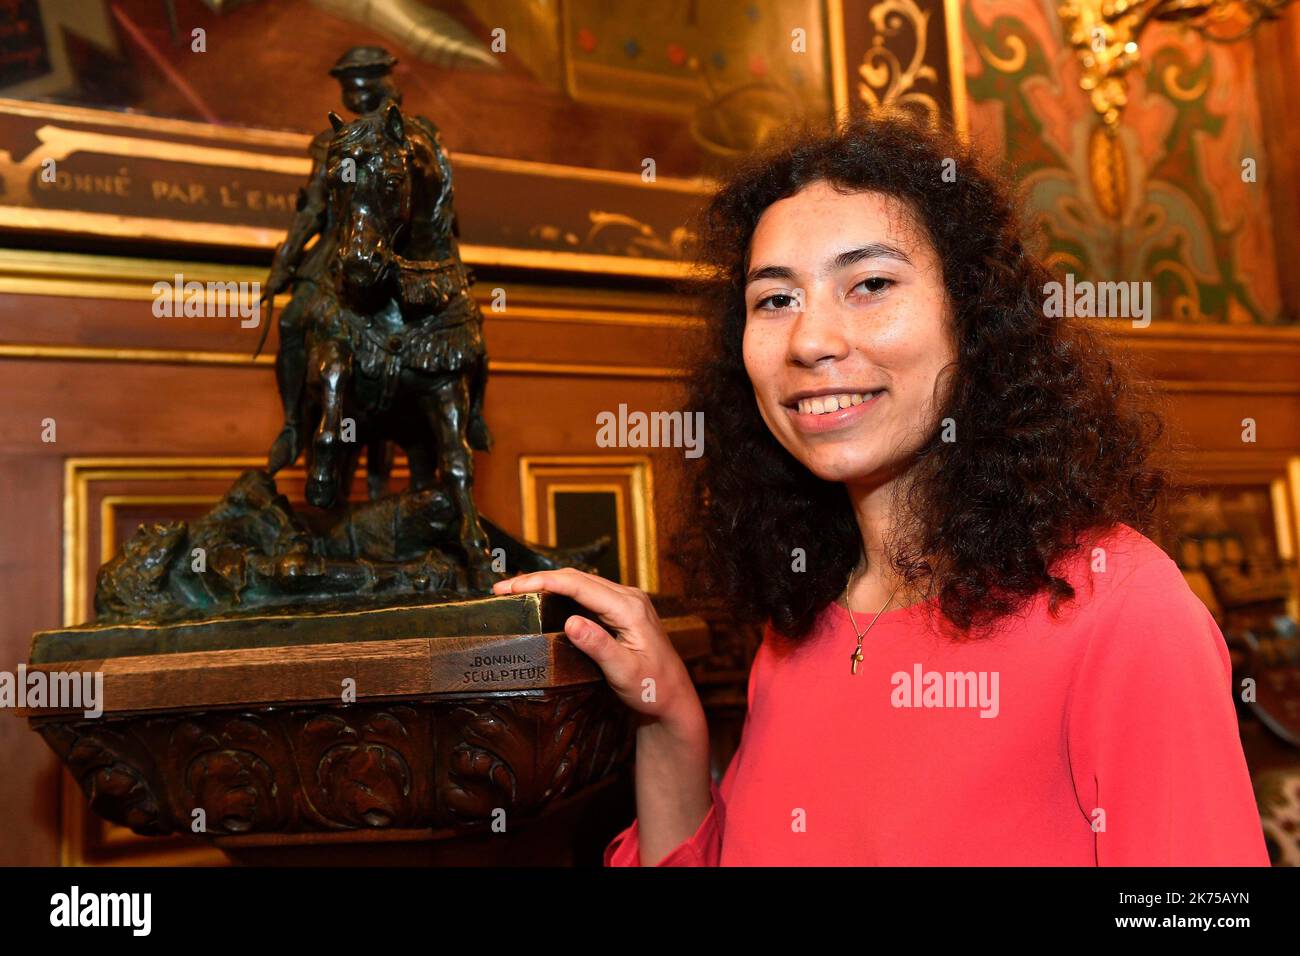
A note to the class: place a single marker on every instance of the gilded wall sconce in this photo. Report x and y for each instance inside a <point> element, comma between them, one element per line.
<point>1105,35</point>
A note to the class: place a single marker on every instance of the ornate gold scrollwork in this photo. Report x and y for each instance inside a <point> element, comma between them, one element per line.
<point>1105,35</point>
<point>887,84</point>
<point>616,233</point>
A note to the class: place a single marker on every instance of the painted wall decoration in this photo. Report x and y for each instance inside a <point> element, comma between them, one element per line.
<point>550,108</point>
<point>1163,199</point>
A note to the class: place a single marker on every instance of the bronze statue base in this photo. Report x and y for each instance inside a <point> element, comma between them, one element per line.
<point>509,614</point>
<point>397,725</point>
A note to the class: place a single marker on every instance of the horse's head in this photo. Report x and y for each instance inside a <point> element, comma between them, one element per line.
<point>369,172</point>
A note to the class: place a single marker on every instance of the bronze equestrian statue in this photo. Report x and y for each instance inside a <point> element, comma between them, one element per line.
<point>364,75</point>
<point>381,309</point>
<point>381,345</point>
<point>395,341</point>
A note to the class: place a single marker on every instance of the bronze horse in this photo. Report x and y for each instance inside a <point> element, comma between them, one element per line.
<point>394,338</point>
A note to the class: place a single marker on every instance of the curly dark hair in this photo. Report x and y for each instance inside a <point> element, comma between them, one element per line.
<point>1055,437</point>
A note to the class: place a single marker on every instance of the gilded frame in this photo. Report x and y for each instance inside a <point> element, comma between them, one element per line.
<point>630,478</point>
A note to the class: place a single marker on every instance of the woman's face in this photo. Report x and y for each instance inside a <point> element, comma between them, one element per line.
<point>846,331</point>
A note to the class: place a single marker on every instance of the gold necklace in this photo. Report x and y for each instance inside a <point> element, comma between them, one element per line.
<point>857,654</point>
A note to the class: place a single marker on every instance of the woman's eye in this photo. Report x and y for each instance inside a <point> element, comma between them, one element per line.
<point>776,302</point>
<point>875,285</point>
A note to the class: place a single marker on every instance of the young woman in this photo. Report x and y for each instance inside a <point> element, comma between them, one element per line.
<point>928,490</point>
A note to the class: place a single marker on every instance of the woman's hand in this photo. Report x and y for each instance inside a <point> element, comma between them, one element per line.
<point>644,669</point>
<point>641,665</point>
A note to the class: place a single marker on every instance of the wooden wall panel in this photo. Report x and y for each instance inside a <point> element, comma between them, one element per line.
<point>1213,377</point>
<point>122,383</point>
<point>30,502</point>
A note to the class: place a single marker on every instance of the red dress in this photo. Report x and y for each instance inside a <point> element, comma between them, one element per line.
<point>1106,737</point>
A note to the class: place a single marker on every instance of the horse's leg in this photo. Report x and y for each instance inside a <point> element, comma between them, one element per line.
<point>413,435</point>
<point>447,408</point>
<point>351,458</point>
<point>290,375</point>
<point>479,435</point>
<point>333,368</point>
<point>424,470</point>
<point>379,464</point>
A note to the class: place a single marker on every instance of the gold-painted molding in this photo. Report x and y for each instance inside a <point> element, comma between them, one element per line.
<point>956,68</point>
<point>1286,517</point>
<point>79,275</point>
<point>563,315</point>
<point>639,470</point>
<point>82,276</point>
<point>77,353</point>
<point>586,371</point>
<point>587,262</point>
<point>1222,335</point>
<point>1236,467</point>
<point>95,353</point>
<point>155,124</point>
<point>1284,513</point>
<point>1290,505</point>
<point>61,143</point>
<point>300,142</point>
<point>219,234</point>
<point>138,227</point>
<point>839,64</point>
<point>1230,387</point>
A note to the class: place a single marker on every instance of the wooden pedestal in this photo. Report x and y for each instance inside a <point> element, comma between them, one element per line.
<point>418,748</point>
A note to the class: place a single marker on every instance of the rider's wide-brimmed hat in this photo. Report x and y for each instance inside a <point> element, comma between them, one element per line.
<point>364,61</point>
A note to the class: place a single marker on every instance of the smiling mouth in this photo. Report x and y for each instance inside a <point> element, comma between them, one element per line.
<point>826,404</point>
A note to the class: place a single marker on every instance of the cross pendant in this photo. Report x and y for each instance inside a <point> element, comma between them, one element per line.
<point>857,658</point>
